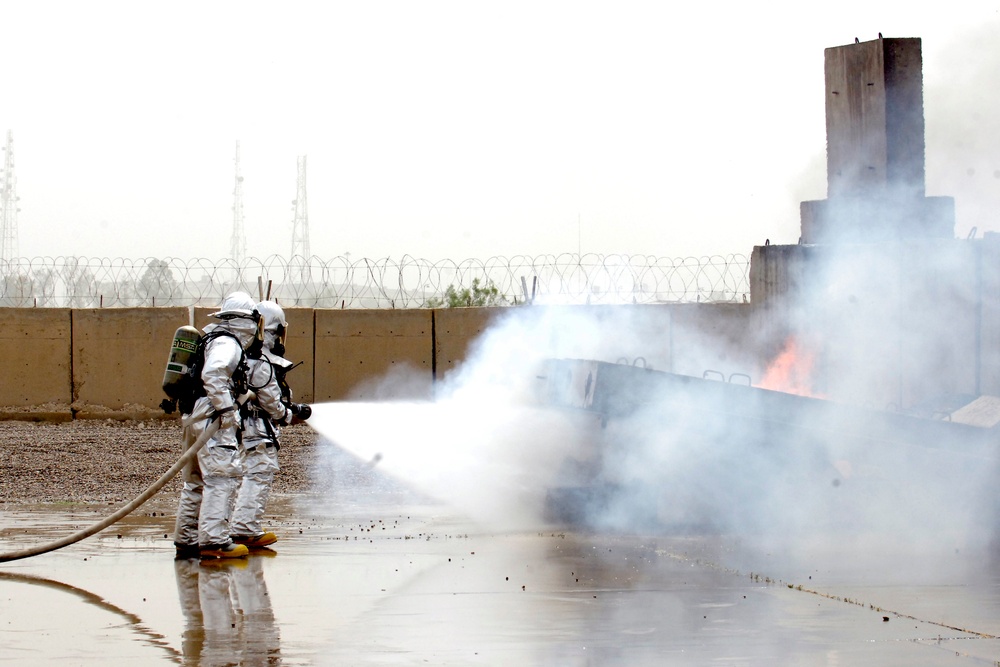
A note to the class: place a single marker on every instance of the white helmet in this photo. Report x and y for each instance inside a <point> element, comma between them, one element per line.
<point>236,305</point>
<point>275,326</point>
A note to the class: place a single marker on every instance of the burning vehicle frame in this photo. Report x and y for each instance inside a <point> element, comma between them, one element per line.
<point>681,454</point>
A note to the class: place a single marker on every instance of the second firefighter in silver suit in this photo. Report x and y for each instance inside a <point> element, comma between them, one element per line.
<point>263,418</point>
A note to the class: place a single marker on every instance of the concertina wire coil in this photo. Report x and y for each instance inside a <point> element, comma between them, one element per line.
<point>342,282</point>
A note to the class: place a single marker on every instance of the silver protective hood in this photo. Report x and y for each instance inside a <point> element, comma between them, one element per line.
<point>238,315</point>
<point>235,305</point>
<point>275,324</point>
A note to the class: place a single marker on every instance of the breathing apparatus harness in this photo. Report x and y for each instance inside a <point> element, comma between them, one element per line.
<point>182,380</point>
<point>183,384</point>
<point>278,373</point>
<point>240,382</point>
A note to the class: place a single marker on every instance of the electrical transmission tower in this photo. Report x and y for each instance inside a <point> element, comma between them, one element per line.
<point>238,242</point>
<point>8,204</point>
<point>300,225</point>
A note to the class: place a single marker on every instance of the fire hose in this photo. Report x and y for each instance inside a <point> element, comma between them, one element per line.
<point>192,452</point>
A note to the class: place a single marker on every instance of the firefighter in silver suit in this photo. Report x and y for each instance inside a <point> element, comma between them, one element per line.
<point>210,483</point>
<point>263,416</point>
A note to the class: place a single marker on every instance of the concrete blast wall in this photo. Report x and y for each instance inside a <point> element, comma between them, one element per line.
<point>61,363</point>
<point>35,355</point>
<point>355,348</point>
<point>898,325</point>
<point>891,326</point>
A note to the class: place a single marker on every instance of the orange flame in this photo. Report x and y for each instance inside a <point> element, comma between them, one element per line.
<point>791,371</point>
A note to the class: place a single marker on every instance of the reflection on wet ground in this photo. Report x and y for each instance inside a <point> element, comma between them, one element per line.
<point>382,577</point>
<point>227,612</point>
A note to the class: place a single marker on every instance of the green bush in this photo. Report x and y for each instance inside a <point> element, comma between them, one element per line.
<point>476,295</point>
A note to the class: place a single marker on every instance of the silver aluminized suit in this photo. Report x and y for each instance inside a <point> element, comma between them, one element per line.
<point>211,481</point>
<point>228,618</point>
<point>267,413</point>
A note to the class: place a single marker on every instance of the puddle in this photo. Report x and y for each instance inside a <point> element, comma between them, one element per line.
<point>372,577</point>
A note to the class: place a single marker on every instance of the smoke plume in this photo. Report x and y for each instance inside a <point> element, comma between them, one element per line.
<point>512,448</point>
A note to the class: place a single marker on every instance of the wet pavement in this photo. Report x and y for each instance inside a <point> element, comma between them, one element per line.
<point>387,578</point>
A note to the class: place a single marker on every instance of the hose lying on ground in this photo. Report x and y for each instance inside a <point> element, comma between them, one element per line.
<point>192,451</point>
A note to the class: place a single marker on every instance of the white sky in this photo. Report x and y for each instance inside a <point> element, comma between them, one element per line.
<point>455,130</point>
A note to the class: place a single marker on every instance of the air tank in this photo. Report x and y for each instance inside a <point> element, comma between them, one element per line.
<point>182,352</point>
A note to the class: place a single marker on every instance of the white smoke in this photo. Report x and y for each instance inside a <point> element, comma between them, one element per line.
<point>899,331</point>
<point>894,328</point>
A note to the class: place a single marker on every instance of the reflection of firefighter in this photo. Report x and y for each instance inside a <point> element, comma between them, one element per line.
<point>227,613</point>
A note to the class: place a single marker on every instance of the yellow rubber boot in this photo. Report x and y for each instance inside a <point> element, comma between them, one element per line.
<point>231,550</point>
<point>256,541</point>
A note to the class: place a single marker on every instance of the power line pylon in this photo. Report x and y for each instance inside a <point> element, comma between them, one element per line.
<point>300,226</point>
<point>238,241</point>
<point>8,204</point>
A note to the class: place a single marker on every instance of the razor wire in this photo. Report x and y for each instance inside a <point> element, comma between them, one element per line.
<point>340,282</point>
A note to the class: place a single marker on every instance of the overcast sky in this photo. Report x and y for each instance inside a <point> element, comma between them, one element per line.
<point>454,130</point>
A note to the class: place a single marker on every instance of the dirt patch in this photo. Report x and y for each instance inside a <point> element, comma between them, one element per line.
<point>112,461</point>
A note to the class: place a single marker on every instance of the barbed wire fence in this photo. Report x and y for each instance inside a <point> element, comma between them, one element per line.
<point>340,282</point>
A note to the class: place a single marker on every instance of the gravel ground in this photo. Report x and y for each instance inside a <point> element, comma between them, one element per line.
<point>112,461</point>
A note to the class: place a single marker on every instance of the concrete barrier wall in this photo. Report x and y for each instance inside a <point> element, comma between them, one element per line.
<point>718,339</point>
<point>36,358</point>
<point>947,319</point>
<point>101,361</point>
<point>373,354</point>
<point>110,362</point>
<point>119,355</point>
<point>890,325</point>
<point>455,329</point>
<point>299,341</point>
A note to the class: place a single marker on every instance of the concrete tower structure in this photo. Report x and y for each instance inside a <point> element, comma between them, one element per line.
<point>238,240</point>
<point>8,204</point>
<point>895,312</point>
<point>875,149</point>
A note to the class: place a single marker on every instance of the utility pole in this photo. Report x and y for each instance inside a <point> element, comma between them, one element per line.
<point>8,204</point>
<point>300,225</point>
<point>238,242</point>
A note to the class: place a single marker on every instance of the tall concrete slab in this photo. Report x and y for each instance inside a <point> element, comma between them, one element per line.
<point>35,353</point>
<point>119,355</point>
<point>455,332</point>
<point>373,355</point>
<point>874,118</point>
<point>299,348</point>
<point>875,149</point>
<point>778,274</point>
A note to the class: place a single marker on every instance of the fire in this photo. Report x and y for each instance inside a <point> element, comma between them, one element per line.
<point>791,371</point>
